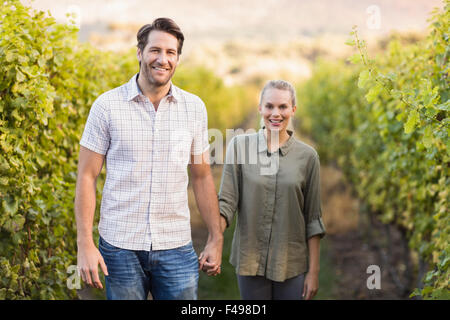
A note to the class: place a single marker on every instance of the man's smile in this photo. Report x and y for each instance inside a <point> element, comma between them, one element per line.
<point>160,69</point>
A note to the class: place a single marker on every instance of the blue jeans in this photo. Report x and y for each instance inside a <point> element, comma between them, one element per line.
<point>167,274</point>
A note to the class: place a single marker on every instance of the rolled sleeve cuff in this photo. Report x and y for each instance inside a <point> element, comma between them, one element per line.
<point>226,212</point>
<point>226,219</point>
<point>315,227</point>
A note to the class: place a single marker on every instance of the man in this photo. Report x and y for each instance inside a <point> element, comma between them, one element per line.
<point>147,130</point>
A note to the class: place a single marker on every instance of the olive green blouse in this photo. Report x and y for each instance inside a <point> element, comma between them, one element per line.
<point>277,200</point>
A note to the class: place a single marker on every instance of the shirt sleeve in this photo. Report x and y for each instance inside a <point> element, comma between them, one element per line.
<point>313,211</point>
<point>96,135</point>
<point>230,184</point>
<point>200,142</point>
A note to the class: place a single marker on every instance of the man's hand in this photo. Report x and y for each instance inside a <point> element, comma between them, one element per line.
<point>90,164</point>
<point>210,259</point>
<point>88,259</point>
<point>209,267</point>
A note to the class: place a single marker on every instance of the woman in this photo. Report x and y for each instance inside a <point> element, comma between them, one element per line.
<point>272,180</point>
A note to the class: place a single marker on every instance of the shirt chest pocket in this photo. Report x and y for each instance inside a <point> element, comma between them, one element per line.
<point>132,140</point>
<point>179,146</point>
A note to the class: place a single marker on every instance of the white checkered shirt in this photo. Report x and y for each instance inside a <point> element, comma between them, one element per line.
<point>144,201</point>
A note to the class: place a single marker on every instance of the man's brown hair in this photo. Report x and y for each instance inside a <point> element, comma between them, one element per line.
<point>160,24</point>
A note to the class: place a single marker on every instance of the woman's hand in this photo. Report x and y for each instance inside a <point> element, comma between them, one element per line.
<point>311,285</point>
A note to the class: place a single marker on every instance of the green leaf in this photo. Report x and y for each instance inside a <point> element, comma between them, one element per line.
<point>10,206</point>
<point>415,293</point>
<point>6,146</point>
<point>444,106</point>
<point>427,289</point>
<point>397,94</point>
<point>41,62</point>
<point>15,224</point>
<point>23,59</point>
<point>355,59</point>
<point>427,138</point>
<point>58,59</point>
<point>374,92</point>
<point>40,160</point>
<point>444,264</point>
<point>10,56</point>
<point>20,77</point>
<point>363,78</point>
<point>4,181</point>
<point>16,115</point>
<point>410,124</point>
<point>350,42</point>
<point>46,219</point>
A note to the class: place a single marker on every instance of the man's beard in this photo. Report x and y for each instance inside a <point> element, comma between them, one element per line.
<point>151,80</point>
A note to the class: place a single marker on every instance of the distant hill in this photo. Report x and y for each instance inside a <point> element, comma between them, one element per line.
<point>248,40</point>
<point>270,19</point>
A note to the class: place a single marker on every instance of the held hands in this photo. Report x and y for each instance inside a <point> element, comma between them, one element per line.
<point>210,259</point>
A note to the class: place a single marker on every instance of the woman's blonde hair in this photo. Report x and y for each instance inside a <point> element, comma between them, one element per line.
<point>280,85</point>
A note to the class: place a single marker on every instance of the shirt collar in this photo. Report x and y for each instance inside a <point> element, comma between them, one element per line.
<point>262,143</point>
<point>134,90</point>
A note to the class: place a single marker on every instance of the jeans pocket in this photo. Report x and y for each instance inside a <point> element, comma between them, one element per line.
<point>186,248</point>
<point>107,247</point>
